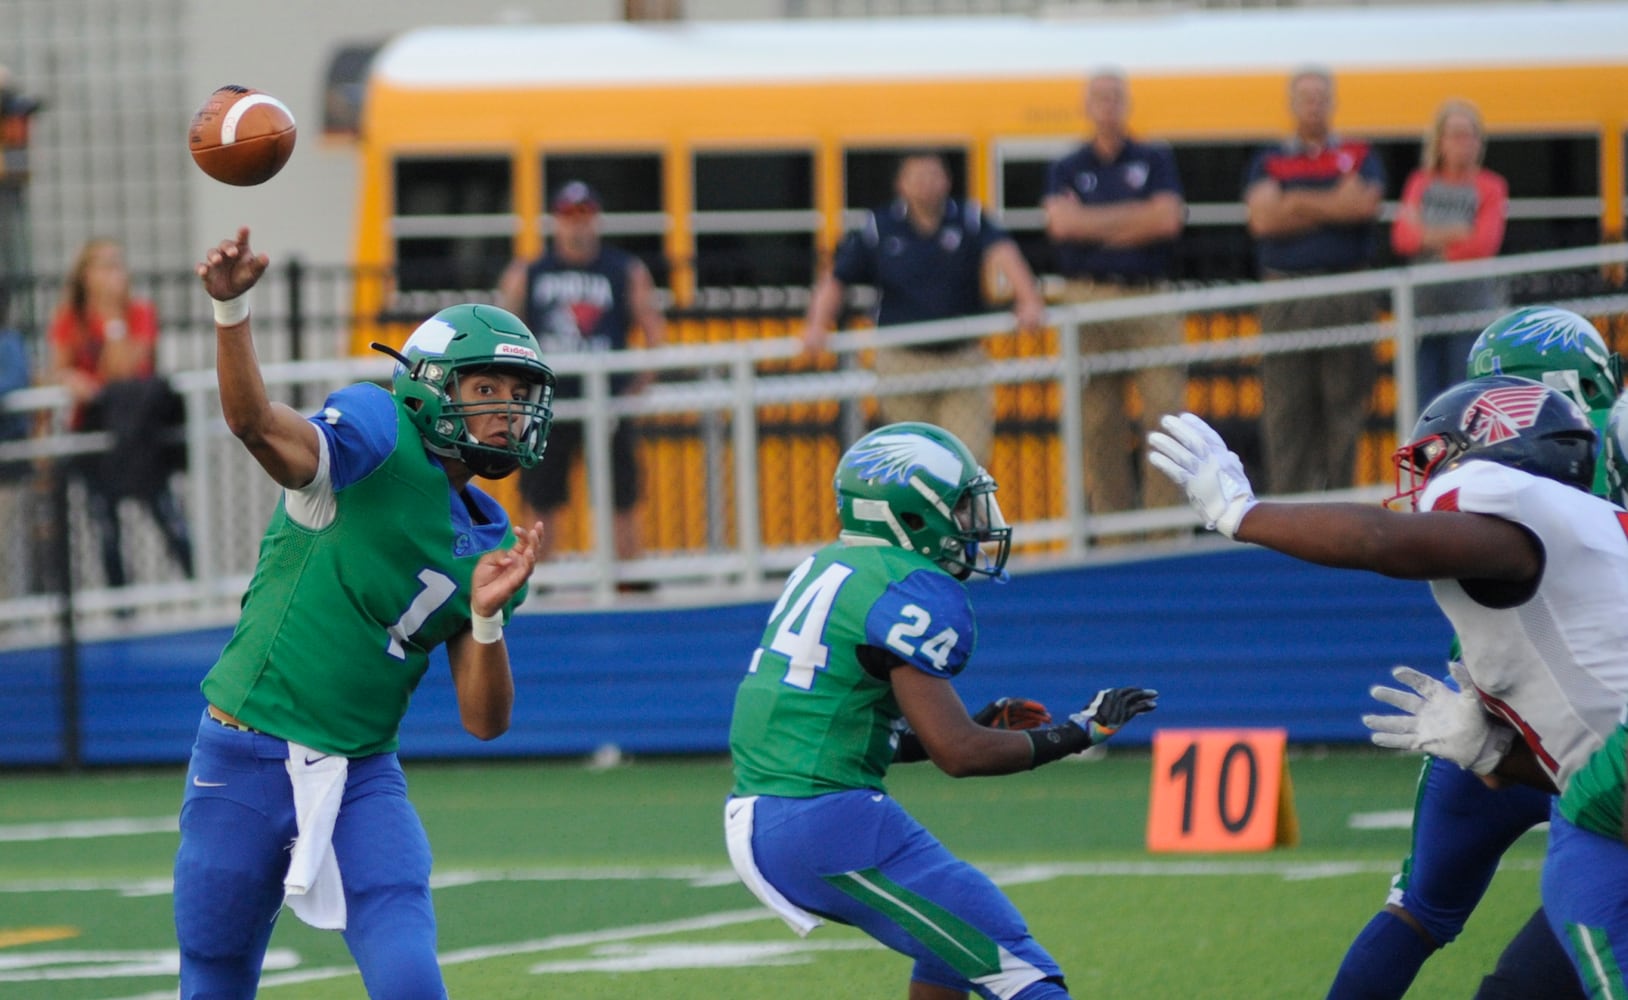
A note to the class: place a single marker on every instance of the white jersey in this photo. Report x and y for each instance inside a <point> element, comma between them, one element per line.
<point>1555,665</point>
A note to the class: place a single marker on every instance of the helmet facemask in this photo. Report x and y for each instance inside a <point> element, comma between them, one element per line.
<point>528,420</point>
<point>1416,462</point>
<point>983,532</point>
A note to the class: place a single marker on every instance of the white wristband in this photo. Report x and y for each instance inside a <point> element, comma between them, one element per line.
<point>232,311</point>
<point>486,629</point>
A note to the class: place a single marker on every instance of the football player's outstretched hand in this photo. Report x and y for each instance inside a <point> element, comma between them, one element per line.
<point>1439,721</point>
<point>1195,458</point>
<point>1112,708</point>
<point>1012,713</point>
<point>231,268</point>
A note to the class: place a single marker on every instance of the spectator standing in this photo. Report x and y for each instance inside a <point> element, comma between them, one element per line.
<point>1452,209</point>
<point>583,295</point>
<point>925,254</point>
<point>1114,208</point>
<point>1312,204</point>
<point>102,340</point>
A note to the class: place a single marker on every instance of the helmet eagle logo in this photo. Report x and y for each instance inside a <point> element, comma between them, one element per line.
<point>1501,414</point>
<point>894,458</point>
<point>1547,328</point>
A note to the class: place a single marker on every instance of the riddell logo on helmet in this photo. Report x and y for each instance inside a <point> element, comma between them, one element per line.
<point>517,350</point>
<point>1501,414</point>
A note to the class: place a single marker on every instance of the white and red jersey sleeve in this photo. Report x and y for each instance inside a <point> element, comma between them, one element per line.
<point>1553,662</point>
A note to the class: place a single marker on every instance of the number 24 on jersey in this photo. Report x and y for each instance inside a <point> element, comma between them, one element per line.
<point>799,627</point>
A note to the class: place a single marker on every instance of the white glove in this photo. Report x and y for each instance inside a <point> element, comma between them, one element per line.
<point>1439,721</point>
<point>1195,458</point>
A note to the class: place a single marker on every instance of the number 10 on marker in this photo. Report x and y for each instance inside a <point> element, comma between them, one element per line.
<point>1221,790</point>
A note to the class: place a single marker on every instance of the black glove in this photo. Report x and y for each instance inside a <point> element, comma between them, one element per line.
<point>1106,715</point>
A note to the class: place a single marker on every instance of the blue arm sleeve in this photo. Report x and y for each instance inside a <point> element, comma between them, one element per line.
<point>926,620</point>
<point>359,422</point>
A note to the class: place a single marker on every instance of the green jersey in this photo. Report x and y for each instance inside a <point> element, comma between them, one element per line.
<point>1593,798</point>
<point>360,575</point>
<point>809,717</point>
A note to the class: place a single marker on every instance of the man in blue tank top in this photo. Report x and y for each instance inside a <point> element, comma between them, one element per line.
<point>584,296</point>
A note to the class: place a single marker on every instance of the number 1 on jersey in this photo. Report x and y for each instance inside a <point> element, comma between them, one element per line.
<point>437,590</point>
<point>799,635</point>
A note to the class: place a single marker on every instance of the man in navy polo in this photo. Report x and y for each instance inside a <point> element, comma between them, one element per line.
<point>1114,208</point>
<point>1313,202</point>
<point>925,255</point>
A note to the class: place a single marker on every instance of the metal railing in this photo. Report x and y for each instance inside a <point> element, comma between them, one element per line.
<point>723,390</point>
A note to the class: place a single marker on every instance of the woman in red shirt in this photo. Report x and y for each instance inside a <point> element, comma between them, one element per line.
<point>1452,209</point>
<point>102,342</point>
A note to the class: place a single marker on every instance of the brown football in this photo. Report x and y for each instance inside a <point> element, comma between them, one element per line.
<point>241,136</point>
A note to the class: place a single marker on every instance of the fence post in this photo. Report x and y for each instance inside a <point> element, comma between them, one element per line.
<point>295,269</point>
<point>596,434</point>
<point>1405,358</point>
<point>68,658</point>
<point>1071,381</point>
<point>747,496</point>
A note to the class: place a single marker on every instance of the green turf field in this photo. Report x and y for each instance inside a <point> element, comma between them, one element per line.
<point>555,880</point>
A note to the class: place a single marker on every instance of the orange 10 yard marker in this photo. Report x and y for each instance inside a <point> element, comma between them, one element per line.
<point>1221,790</point>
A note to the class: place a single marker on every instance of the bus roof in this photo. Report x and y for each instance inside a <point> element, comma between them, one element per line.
<point>1179,42</point>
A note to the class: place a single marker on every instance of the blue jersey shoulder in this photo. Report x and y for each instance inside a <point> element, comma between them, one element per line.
<point>925,619</point>
<point>359,422</point>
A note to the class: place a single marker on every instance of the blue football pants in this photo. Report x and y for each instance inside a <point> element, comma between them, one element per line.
<point>1585,894</point>
<point>858,858</point>
<point>1461,829</point>
<point>237,822</point>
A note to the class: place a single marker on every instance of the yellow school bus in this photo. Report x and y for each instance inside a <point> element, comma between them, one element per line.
<point>734,155</point>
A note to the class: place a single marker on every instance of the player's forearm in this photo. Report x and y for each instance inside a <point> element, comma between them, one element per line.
<point>485,687</point>
<point>981,751</point>
<point>279,439</point>
<point>1342,535</point>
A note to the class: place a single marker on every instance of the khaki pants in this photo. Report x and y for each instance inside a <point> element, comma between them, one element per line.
<point>1113,443</point>
<point>1315,403</point>
<point>967,413</point>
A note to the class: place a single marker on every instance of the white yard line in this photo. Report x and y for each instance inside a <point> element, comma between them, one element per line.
<point>1005,874</point>
<point>123,826</point>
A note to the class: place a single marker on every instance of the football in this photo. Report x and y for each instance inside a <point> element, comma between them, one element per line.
<point>241,136</point>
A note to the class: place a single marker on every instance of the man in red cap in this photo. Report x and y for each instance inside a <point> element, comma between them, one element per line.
<point>584,296</point>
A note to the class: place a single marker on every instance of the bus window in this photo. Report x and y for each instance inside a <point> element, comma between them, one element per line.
<point>631,186</point>
<point>754,218</point>
<point>453,224</point>
<point>1020,184</point>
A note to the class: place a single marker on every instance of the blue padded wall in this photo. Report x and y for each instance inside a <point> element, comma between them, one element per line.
<point>1234,637</point>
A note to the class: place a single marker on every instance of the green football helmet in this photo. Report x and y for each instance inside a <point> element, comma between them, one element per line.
<point>1554,346</point>
<point>916,486</point>
<point>462,340</point>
